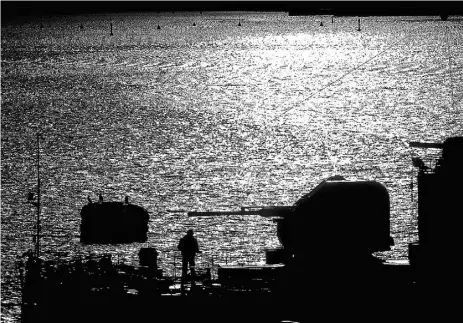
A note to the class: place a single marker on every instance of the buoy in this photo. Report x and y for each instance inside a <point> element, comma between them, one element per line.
<point>194,24</point>
<point>159,27</point>
<point>81,26</point>
<point>239,22</point>
<point>321,23</point>
<point>111,24</point>
<point>359,25</point>
<point>332,19</point>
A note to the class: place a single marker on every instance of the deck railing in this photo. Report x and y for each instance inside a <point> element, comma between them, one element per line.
<point>211,262</point>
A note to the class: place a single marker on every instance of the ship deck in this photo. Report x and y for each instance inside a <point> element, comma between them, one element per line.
<point>247,293</point>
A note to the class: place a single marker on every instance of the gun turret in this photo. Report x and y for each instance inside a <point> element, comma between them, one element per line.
<point>349,219</point>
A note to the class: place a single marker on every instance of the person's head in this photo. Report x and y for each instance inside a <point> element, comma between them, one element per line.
<point>190,232</point>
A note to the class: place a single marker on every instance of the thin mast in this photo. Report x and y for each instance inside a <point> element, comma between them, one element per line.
<point>450,65</point>
<point>37,241</point>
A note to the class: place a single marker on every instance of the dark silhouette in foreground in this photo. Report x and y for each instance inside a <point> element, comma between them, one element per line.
<point>436,257</point>
<point>326,266</point>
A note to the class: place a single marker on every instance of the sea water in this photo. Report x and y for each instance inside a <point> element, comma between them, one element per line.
<point>203,114</point>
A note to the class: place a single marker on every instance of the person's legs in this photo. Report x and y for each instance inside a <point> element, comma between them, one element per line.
<point>184,267</point>
<point>192,267</point>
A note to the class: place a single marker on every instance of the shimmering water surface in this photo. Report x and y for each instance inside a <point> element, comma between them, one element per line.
<point>213,117</point>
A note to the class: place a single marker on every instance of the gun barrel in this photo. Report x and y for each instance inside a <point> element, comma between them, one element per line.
<point>417,144</point>
<point>271,211</point>
<point>224,213</point>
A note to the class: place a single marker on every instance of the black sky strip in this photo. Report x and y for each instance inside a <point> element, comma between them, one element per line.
<point>11,9</point>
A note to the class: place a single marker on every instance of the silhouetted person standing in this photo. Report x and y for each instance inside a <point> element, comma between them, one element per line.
<point>188,245</point>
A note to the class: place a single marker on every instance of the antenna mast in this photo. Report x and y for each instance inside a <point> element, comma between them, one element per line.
<point>37,238</point>
<point>450,65</point>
